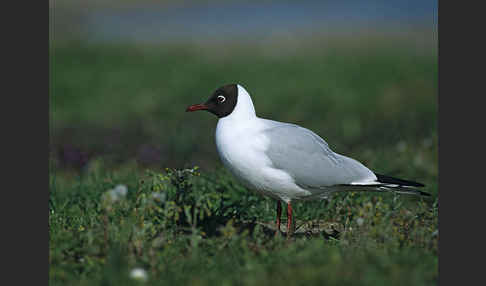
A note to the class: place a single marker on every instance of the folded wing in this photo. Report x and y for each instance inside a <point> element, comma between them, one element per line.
<point>309,160</point>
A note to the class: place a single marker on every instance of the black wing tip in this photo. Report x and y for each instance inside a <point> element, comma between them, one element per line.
<point>391,180</point>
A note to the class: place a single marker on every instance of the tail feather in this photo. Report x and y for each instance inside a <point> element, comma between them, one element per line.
<point>380,187</point>
<point>404,190</point>
<point>387,184</point>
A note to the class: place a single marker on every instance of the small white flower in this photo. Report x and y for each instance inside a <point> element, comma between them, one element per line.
<point>158,196</point>
<point>139,274</point>
<point>360,221</point>
<point>116,194</point>
<point>121,190</point>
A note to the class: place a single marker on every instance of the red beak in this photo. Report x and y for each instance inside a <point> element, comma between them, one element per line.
<point>196,107</point>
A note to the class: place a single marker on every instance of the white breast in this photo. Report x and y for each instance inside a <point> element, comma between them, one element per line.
<point>241,149</point>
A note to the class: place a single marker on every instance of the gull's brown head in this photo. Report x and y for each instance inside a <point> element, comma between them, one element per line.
<point>221,103</point>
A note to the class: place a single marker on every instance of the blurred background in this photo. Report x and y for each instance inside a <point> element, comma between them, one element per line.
<point>361,74</point>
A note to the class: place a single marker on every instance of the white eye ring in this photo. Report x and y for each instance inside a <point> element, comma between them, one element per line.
<point>221,98</point>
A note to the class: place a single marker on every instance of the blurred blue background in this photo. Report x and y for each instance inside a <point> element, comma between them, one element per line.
<point>187,21</point>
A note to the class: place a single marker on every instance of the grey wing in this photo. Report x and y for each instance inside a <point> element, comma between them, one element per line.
<point>309,160</point>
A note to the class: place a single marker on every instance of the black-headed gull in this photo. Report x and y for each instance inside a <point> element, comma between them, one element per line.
<point>285,161</point>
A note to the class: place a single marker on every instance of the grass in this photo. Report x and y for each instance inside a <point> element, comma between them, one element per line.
<point>117,118</point>
<point>206,230</point>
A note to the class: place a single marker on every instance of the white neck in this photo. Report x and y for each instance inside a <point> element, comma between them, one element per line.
<point>244,109</point>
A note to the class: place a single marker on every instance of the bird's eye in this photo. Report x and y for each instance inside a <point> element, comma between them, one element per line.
<point>221,98</point>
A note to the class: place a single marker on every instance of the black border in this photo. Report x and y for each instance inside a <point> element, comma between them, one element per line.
<point>461,124</point>
<point>25,120</point>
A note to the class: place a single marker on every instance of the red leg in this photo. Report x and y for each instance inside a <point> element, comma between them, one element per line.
<point>279,214</point>
<point>289,219</point>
